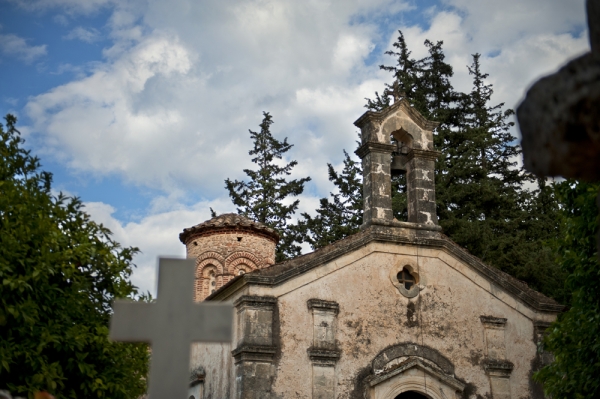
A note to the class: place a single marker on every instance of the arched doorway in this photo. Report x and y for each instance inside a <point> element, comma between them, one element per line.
<point>410,395</point>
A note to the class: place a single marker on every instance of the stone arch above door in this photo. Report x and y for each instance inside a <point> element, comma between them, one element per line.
<point>399,352</point>
<point>415,375</point>
<point>411,367</point>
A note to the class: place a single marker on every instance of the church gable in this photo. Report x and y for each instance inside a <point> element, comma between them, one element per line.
<point>313,265</point>
<point>395,309</point>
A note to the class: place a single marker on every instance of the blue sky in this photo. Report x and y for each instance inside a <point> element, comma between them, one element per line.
<point>142,107</point>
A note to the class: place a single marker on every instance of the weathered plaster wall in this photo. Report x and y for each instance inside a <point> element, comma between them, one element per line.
<point>373,315</point>
<point>218,364</point>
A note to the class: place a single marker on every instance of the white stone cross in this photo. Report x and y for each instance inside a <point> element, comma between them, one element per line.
<point>170,326</point>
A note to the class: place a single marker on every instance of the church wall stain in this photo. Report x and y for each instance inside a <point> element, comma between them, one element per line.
<point>372,313</point>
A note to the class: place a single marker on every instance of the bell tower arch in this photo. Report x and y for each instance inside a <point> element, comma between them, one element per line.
<point>412,154</point>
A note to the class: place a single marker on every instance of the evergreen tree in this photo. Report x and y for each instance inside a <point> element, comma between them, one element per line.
<point>574,337</point>
<point>262,197</point>
<point>59,273</point>
<point>342,215</point>
<point>482,204</point>
<point>480,190</point>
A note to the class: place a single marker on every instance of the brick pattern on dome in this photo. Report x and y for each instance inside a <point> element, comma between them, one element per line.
<point>225,247</point>
<point>228,221</point>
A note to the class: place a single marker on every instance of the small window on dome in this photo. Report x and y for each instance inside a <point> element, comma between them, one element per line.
<point>406,279</point>
<point>239,238</point>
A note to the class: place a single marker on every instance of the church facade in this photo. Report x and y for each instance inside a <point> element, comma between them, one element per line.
<point>396,311</point>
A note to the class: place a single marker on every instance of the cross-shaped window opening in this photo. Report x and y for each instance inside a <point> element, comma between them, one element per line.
<point>404,277</point>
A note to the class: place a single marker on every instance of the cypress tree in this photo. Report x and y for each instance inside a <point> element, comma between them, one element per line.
<point>484,205</point>
<point>482,202</point>
<point>342,215</point>
<point>262,197</point>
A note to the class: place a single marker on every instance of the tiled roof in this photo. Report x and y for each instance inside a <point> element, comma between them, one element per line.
<point>280,272</point>
<point>228,221</point>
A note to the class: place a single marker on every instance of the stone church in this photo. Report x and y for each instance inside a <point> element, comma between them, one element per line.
<point>395,311</point>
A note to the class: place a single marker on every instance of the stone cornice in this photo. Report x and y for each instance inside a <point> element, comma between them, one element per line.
<point>324,356</point>
<point>502,367</point>
<point>320,304</point>
<point>281,272</point>
<point>255,301</point>
<point>406,225</point>
<point>371,146</point>
<point>261,353</point>
<point>423,154</point>
<point>404,105</point>
<point>417,363</point>
<point>493,321</point>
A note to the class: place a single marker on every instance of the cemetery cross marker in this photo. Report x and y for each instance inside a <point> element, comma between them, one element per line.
<point>170,325</point>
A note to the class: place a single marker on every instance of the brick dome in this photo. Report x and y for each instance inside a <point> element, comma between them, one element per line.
<point>226,246</point>
<point>227,221</point>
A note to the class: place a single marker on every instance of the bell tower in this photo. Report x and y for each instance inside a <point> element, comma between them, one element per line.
<point>413,154</point>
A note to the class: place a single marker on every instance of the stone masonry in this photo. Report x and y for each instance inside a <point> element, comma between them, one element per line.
<point>413,154</point>
<point>227,246</point>
<point>341,322</point>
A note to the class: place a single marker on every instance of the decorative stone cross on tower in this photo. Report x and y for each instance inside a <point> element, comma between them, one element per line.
<point>414,155</point>
<point>170,325</point>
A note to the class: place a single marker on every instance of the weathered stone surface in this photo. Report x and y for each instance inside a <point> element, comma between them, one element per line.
<point>255,352</point>
<point>415,156</point>
<point>560,116</point>
<point>378,330</point>
<point>407,349</point>
<point>278,274</point>
<point>225,247</point>
<point>560,123</point>
<point>361,336</point>
<point>377,183</point>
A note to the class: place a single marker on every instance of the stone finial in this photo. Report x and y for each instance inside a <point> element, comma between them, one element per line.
<point>560,116</point>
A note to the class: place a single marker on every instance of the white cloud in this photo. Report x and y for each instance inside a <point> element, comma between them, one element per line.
<point>15,46</point>
<point>171,103</point>
<point>156,235</point>
<point>85,35</point>
<point>102,123</point>
<point>168,106</point>
<point>513,61</point>
<point>84,7</point>
<point>61,20</point>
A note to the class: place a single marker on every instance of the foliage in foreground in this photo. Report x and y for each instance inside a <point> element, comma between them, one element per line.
<point>574,338</point>
<point>59,272</point>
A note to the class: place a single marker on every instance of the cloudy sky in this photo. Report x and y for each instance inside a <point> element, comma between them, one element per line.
<point>142,107</point>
